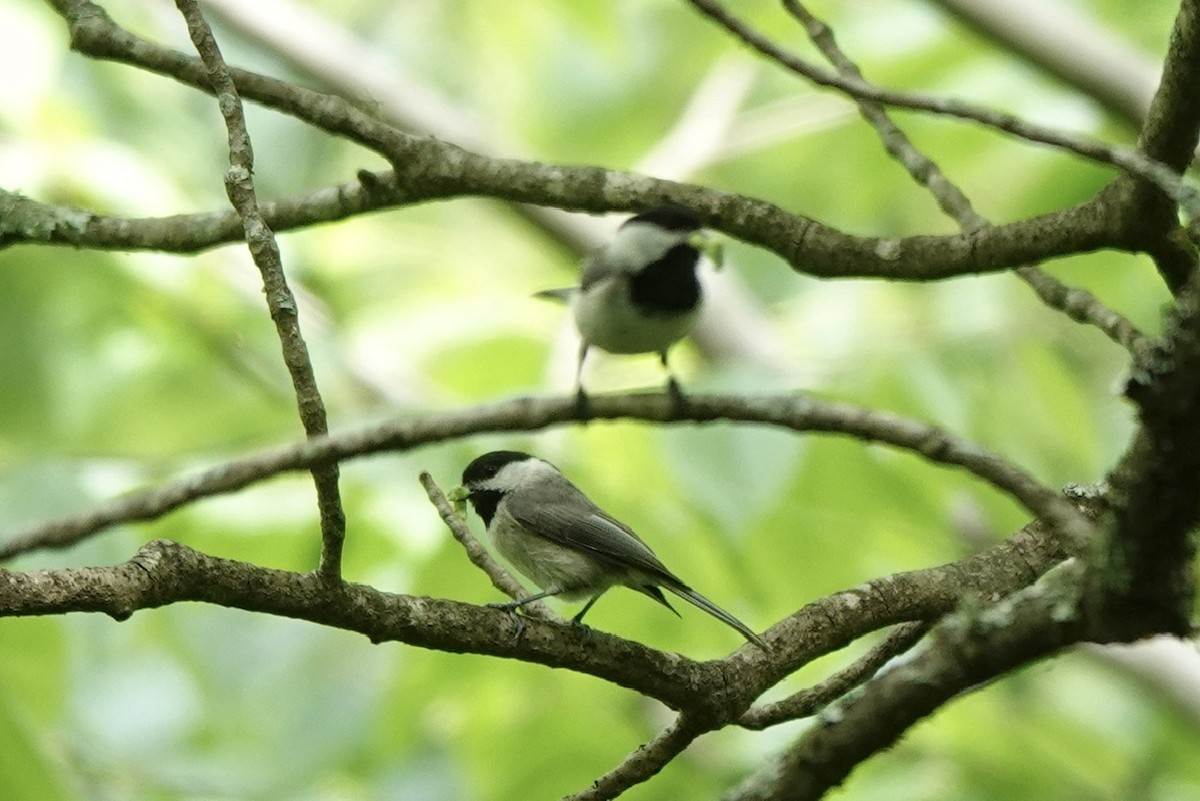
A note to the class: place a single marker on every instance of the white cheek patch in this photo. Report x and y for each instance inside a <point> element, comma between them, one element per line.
<point>636,245</point>
<point>521,474</point>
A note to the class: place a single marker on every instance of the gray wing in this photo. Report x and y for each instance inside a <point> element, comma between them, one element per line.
<point>597,267</point>
<point>564,515</point>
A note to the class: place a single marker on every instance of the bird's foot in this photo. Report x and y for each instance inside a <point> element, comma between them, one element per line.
<point>583,409</point>
<point>511,607</point>
<point>679,401</point>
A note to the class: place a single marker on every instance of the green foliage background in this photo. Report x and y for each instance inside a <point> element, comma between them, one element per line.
<point>121,370</point>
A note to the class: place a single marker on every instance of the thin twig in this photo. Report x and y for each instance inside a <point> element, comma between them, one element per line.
<point>478,554</point>
<point>239,185</point>
<point>1065,41</point>
<point>812,699</point>
<point>646,761</point>
<point>1127,159</point>
<point>792,412</point>
<point>1083,307</point>
<point>1078,304</point>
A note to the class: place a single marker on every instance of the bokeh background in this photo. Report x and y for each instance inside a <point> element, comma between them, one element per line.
<point>122,370</point>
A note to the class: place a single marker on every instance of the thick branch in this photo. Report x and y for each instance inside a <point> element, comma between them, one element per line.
<point>1173,122</point>
<point>1156,486</point>
<point>1170,135</point>
<point>808,246</point>
<point>165,572</point>
<point>961,653</point>
<point>430,169</point>
<point>714,693</point>
<point>1155,493</point>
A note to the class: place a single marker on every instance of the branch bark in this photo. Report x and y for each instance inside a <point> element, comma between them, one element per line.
<point>962,652</point>
<point>429,169</point>
<point>1065,42</point>
<point>239,185</point>
<point>790,412</point>
<point>714,693</point>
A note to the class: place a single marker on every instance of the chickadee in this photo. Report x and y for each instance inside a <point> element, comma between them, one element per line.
<point>639,293</point>
<point>555,536</point>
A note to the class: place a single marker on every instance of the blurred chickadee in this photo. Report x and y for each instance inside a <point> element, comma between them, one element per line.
<point>555,536</point>
<point>639,293</point>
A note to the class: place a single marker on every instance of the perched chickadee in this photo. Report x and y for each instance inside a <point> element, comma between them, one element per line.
<point>555,536</point>
<point>639,293</point>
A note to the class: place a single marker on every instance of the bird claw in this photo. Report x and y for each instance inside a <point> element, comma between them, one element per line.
<point>678,399</point>
<point>583,410</point>
<point>513,615</point>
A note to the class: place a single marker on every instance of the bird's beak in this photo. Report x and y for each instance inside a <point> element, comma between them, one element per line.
<point>710,246</point>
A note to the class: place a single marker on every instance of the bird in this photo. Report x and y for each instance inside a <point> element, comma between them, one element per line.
<point>568,546</point>
<point>639,293</point>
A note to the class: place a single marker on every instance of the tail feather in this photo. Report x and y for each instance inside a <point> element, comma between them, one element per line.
<point>654,592</point>
<point>696,599</point>
<point>559,295</point>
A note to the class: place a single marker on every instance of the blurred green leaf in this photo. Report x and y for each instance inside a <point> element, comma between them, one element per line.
<point>121,370</point>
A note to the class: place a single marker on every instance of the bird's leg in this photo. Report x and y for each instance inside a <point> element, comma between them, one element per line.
<point>578,619</point>
<point>512,606</point>
<point>678,399</point>
<point>582,411</point>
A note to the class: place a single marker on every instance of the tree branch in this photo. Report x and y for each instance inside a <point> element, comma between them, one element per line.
<point>1173,122</point>
<point>1078,304</point>
<point>1170,135</point>
<point>24,220</point>
<point>807,246</point>
<point>479,555</point>
<point>1149,551</point>
<point>811,700</point>
<point>962,652</point>
<point>165,572</point>
<point>239,184</point>
<point>1150,547</point>
<point>1161,175</point>
<point>791,412</point>
<point>715,693</point>
<point>428,169</point>
<point>644,762</point>
<point>1062,40</point>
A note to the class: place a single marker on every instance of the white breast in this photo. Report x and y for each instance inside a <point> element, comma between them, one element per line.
<point>550,566</point>
<point>608,320</point>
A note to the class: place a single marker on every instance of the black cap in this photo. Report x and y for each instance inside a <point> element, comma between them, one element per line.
<point>488,465</point>
<point>670,218</point>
